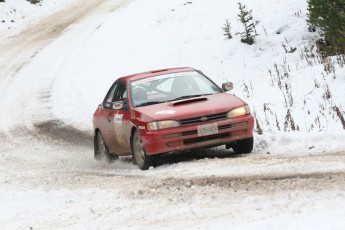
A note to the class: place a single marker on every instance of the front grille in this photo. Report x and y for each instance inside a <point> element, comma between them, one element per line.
<point>202,119</point>
<point>206,138</point>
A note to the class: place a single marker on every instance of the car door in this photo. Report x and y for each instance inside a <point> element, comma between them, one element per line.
<point>102,115</point>
<point>118,118</point>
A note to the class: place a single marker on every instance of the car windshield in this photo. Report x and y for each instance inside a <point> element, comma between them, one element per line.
<point>170,87</point>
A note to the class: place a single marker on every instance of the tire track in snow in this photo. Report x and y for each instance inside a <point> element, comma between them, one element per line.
<point>330,180</point>
<point>63,134</point>
<point>26,78</point>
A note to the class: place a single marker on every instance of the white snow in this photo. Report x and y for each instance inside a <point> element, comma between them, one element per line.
<point>68,205</point>
<point>90,55</point>
<point>15,15</point>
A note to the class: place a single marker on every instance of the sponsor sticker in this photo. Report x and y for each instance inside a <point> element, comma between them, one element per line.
<point>117,106</point>
<point>118,118</point>
<point>166,112</point>
<point>164,76</point>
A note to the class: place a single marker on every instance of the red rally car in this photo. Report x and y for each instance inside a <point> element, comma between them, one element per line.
<point>170,110</point>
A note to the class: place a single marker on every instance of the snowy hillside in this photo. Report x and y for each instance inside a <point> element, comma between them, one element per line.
<point>59,58</point>
<point>286,91</point>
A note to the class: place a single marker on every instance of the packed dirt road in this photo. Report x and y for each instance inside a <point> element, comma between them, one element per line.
<point>49,179</point>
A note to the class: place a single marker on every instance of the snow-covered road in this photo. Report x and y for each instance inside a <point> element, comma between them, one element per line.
<point>56,183</point>
<point>49,179</point>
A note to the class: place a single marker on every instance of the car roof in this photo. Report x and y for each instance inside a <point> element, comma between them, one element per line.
<point>152,73</point>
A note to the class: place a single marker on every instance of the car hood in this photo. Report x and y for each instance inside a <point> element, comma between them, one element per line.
<point>188,108</point>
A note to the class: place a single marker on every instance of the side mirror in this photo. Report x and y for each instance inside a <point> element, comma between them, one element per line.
<point>118,105</point>
<point>227,86</point>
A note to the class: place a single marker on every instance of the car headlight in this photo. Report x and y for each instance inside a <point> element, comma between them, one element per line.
<point>239,111</point>
<point>155,125</point>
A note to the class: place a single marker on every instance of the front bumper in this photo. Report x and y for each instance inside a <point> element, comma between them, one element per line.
<point>186,137</point>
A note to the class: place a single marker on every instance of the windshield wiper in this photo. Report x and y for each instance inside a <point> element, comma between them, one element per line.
<point>149,103</point>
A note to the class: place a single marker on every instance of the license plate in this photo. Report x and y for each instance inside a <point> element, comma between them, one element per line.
<point>205,130</point>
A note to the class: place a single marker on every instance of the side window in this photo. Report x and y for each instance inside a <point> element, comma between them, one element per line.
<point>117,92</point>
<point>120,93</point>
<point>110,95</point>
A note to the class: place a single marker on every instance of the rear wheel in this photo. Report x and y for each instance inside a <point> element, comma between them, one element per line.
<point>244,146</point>
<point>101,149</point>
<point>139,154</point>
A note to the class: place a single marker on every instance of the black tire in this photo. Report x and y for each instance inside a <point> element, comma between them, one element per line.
<point>101,149</point>
<point>141,159</point>
<point>244,146</point>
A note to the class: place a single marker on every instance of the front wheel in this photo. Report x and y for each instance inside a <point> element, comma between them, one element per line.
<point>141,158</point>
<point>244,146</point>
<point>101,149</point>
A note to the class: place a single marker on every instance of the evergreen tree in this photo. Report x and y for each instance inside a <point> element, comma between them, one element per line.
<point>34,1</point>
<point>329,16</point>
<point>227,29</point>
<point>246,18</point>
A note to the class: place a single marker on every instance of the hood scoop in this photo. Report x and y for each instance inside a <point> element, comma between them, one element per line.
<point>189,101</point>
